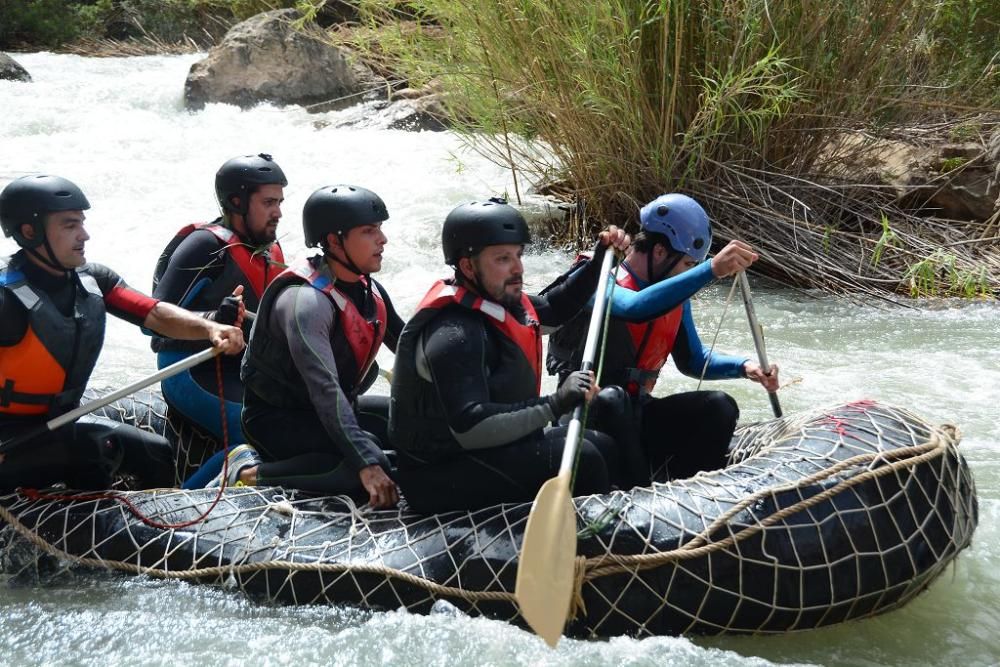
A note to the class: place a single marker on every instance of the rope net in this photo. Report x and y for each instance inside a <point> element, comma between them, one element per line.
<point>820,517</point>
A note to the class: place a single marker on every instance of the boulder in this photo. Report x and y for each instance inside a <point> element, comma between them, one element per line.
<point>11,70</point>
<point>266,58</point>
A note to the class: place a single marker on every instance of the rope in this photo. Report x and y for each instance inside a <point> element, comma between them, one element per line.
<point>598,566</point>
<point>585,569</point>
<point>715,338</point>
<point>35,494</point>
<point>249,568</point>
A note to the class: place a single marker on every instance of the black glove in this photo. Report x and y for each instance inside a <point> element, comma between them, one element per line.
<point>572,392</point>
<point>228,310</point>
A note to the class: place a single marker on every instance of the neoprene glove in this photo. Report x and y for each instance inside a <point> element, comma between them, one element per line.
<point>572,392</point>
<point>228,311</point>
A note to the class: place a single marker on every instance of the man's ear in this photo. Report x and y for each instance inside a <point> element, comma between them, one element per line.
<point>28,231</point>
<point>466,268</point>
<point>659,252</point>
<point>333,240</point>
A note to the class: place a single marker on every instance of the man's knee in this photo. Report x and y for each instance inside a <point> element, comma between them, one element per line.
<point>612,403</point>
<point>591,471</point>
<point>723,407</point>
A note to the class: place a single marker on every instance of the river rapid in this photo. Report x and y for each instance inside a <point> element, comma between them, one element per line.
<point>117,127</point>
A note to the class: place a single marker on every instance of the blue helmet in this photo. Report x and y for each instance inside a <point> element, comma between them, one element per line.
<point>682,220</point>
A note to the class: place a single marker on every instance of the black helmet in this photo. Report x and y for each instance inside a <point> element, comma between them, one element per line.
<point>476,225</point>
<point>339,208</point>
<point>238,176</point>
<point>27,200</point>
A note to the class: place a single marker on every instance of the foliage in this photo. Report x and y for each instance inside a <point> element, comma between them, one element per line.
<point>741,103</point>
<point>53,23</point>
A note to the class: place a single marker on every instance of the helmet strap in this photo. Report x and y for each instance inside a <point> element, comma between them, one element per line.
<point>51,263</point>
<point>347,262</point>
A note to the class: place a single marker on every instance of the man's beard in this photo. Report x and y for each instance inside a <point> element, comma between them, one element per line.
<point>500,295</point>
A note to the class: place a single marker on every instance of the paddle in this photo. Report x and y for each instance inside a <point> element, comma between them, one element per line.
<point>758,337</point>
<point>545,570</point>
<point>62,420</point>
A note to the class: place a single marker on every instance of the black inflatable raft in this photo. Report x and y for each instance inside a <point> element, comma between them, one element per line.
<point>821,517</point>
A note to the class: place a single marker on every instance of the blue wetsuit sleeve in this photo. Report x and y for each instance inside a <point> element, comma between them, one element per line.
<point>690,355</point>
<point>659,298</point>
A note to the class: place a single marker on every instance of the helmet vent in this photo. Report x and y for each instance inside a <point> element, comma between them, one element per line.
<point>662,211</point>
<point>63,193</point>
<point>698,243</point>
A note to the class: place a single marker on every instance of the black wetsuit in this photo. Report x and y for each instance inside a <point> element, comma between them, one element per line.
<point>466,418</point>
<point>86,454</point>
<point>304,417</point>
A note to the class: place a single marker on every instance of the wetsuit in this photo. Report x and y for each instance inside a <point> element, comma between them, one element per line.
<point>688,431</point>
<point>51,333</point>
<point>311,355</point>
<point>466,417</point>
<point>199,268</point>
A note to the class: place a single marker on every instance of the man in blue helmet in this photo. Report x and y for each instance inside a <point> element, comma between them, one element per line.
<point>651,320</point>
<point>466,418</point>
<point>312,354</point>
<point>237,253</point>
<point>53,307</point>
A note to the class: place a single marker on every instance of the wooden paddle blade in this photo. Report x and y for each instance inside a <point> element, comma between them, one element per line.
<point>546,567</point>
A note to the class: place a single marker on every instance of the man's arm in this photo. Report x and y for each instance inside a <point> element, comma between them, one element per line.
<point>395,323</point>
<point>659,298</point>
<point>454,346</point>
<point>13,319</point>
<point>162,317</point>
<point>690,355</point>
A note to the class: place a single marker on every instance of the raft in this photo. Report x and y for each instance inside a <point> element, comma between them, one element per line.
<point>820,517</point>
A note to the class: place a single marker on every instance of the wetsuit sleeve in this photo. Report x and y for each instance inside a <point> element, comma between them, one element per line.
<point>563,299</point>
<point>307,317</point>
<point>13,319</point>
<point>195,264</point>
<point>395,323</point>
<point>690,355</point>
<point>121,300</point>
<point>659,298</point>
<point>454,346</point>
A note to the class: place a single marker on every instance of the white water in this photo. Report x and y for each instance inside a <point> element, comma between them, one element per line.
<point>118,129</point>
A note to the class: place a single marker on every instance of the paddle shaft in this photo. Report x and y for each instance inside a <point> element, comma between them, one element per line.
<point>72,415</point>
<point>589,353</point>
<point>758,337</point>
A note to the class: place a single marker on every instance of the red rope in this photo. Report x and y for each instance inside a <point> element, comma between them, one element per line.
<point>35,494</point>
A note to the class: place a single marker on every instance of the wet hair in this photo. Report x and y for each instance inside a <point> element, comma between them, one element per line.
<point>645,241</point>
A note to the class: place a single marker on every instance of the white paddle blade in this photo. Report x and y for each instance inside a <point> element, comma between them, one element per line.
<point>546,568</point>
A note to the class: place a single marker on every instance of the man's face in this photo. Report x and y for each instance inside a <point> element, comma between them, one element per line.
<point>67,238</point>
<point>499,272</point>
<point>364,246</point>
<point>265,212</point>
<point>686,264</point>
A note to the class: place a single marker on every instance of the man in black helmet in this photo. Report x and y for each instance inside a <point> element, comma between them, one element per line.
<point>312,354</point>
<point>52,316</point>
<point>202,266</point>
<point>466,417</point>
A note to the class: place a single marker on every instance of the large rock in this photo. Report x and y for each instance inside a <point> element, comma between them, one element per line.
<point>266,59</point>
<point>11,70</point>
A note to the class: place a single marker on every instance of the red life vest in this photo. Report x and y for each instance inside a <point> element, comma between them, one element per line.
<point>652,341</point>
<point>527,337</point>
<point>363,337</point>
<point>253,265</point>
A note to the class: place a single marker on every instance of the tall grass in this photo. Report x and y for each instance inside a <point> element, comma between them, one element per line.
<point>739,102</point>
